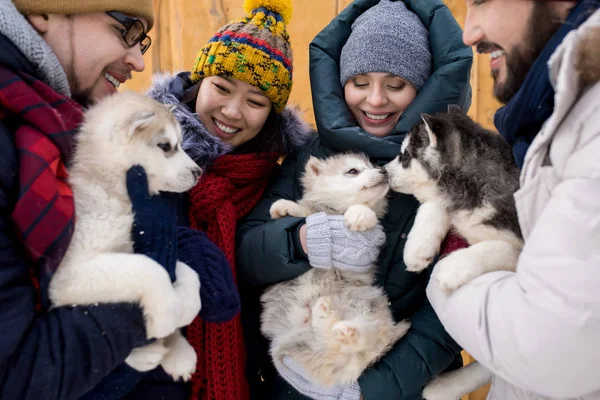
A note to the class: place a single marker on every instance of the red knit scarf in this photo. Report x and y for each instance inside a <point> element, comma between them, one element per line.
<point>228,191</point>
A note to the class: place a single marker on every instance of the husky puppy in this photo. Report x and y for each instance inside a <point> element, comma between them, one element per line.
<point>335,323</point>
<point>99,266</point>
<point>464,177</point>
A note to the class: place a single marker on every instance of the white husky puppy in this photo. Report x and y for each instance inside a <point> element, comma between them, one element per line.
<point>99,266</point>
<point>335,323</point>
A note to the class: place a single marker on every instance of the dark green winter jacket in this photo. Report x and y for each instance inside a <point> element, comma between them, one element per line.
<point>269,250</point>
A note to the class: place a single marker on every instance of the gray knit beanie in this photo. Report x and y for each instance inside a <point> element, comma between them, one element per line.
<point>388,38</point>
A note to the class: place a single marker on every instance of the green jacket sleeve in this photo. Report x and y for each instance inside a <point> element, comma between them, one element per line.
<point>269,250</point>
<point>425,351</point>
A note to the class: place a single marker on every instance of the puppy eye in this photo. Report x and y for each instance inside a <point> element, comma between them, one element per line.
<point>405,159</point>
<point>352,171</point>
<point>166,147</point>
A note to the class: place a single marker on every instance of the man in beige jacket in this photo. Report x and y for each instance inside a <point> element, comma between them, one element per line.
<point>538,329</point>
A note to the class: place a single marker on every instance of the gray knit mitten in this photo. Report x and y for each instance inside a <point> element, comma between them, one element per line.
<point>294,374</point>
<point>331,244</point>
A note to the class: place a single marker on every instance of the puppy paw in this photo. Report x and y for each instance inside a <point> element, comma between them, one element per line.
<point>148,357</point>
<point>346,333</point>
<point>400,329</point>
<point>455,270</point>
<point>161,312</point>
<point>281,208</point>
<point>180,362</point>
<point>360,218</point>
<point>419,252</point>
<point>324,316</point>
<point>297,316</point>
<point>187,289</point>
<point>440,389</point>
<point>323,308</point>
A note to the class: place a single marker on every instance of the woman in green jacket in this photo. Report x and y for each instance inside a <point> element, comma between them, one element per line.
<point>374,69</point>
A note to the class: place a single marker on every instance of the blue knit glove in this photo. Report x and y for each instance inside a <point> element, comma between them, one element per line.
<point>219,295</point>
<point>294,374</point>
<point>154,235</point>
<point>331,244</point>
<point>155,217</point>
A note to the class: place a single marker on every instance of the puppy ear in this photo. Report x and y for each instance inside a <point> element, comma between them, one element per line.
<point>314,166</point>
<point>455,109</point>
<point>139,121</point>
<point>430,126</point>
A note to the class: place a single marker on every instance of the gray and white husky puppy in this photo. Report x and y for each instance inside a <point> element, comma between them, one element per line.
<point>464,177</point>
<point>333,322</point>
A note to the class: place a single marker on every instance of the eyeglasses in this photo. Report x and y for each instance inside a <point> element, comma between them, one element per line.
<point>134,31</point>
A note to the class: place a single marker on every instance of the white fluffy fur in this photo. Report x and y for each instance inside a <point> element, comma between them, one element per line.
<point>491,250</point>
<point>334,323</point>
<point>453,385</point>
<point>99,265</point>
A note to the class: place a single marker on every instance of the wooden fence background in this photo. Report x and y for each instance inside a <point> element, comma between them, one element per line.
<point>183,26</point>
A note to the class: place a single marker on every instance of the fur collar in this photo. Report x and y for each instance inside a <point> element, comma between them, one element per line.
<point>197,141</point>
<point>588,62</point>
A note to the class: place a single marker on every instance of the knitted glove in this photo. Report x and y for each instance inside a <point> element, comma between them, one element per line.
<point>331,244</point>
<point>294,374</point>
<point>153,232</point>
<point>219,295</point>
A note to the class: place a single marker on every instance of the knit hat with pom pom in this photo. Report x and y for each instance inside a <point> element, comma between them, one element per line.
<point>255,49</point>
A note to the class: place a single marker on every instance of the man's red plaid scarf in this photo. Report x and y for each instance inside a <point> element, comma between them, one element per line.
<point>45,124</point>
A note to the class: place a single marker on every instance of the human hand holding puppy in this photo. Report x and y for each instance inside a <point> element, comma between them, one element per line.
<point>155,219</point>
<point>329,243</point>
<point>154,235</point>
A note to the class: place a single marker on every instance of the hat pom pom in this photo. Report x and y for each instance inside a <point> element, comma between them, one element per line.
<point>281,7</point>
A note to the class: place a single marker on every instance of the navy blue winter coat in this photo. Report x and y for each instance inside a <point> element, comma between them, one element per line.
<point>62,353</point>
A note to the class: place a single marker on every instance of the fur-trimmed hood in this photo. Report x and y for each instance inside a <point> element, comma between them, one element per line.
<point>197,141</point>
<point>576,62</point>
<point>588,63</point>
<point>574,66</point>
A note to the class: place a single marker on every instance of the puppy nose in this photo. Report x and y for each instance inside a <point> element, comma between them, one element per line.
<point>196,172</point>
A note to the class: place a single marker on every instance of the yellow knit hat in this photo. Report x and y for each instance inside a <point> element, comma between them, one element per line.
<point>134,8</point>
<point>255,49</point>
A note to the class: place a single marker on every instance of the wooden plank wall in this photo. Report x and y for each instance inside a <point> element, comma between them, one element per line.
<point>183,26</point>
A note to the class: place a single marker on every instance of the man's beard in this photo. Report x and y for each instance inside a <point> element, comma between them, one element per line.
<point>82,96</point>
<point>543,23</point>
